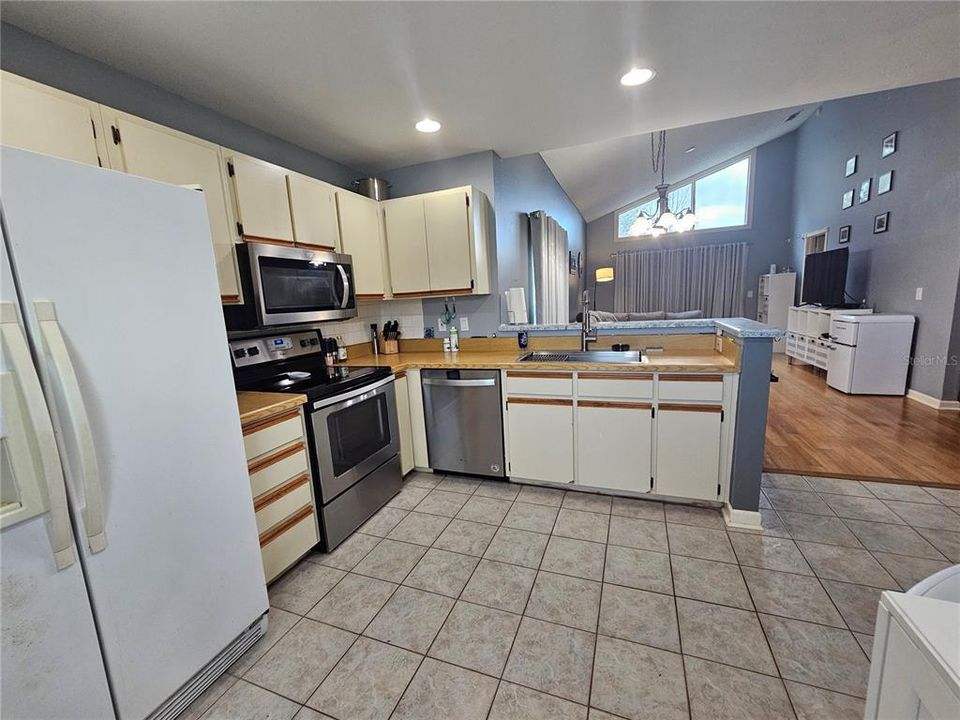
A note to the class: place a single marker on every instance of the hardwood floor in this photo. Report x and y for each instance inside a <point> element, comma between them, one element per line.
<point>813,429</point>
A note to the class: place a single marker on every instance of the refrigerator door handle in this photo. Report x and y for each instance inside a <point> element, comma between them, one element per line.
<point>93,519</point>
<point>51,471</point>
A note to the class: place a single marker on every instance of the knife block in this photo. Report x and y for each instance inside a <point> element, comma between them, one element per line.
<point>389,347</point>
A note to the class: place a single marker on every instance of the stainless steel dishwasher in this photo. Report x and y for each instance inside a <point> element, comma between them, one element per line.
<point>464,421</point>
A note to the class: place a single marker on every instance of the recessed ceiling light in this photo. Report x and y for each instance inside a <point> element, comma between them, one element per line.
<point>427,126</point>
<point>637,76</point>
<point>690,149</point>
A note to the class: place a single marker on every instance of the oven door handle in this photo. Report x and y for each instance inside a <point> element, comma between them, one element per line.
<point>346,287</point>
<point>353,396</point>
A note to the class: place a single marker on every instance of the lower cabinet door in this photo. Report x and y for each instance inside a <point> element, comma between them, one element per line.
<point>613,445</point>
<point>540,431</point>
<point>688,451</point>
<point>403,420</point>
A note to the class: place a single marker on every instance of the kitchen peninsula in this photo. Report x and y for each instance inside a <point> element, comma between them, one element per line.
<point>685,423</point>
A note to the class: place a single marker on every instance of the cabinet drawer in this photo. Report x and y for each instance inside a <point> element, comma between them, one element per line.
<point>270,434</point>
<point>540,383</point>
<point>635,386</point>
<point>691,387</point>
<point>285,543</point>
<point>276,468</point>
<point>281,502</point>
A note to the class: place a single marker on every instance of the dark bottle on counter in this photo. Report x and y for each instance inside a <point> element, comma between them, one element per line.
<point>374,339</point>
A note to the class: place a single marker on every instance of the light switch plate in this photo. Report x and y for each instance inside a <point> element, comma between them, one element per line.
<point>919,293</point>
<point>464,324</point>
<point>749,293</point>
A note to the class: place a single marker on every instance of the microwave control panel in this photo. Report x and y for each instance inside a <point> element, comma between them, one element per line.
<point>255,351</point>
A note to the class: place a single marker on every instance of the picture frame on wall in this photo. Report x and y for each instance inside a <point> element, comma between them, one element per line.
<point>847,200</point>
<point>851,167</point>
<point>571,263</point>
<point>889,146</point>
<point>885,183</point>
<point>881,223</point>
<point>844,236</point>
<point>865,190</point>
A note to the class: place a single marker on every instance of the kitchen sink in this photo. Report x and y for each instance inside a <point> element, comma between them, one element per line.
<point>615,357</point>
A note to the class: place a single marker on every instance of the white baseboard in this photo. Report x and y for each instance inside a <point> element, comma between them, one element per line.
<point>931,401</point>
<point>746,519</point>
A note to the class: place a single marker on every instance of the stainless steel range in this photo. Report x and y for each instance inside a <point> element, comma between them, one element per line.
<point>351,423</point>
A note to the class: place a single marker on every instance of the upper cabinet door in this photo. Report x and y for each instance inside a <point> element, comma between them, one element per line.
<point>156,152</point>
<point>313,209</point>
<point>407,245</point>
<point>263,206</point>
<point>38,118</point>
<point>447,217</point>
<point>361,237</point>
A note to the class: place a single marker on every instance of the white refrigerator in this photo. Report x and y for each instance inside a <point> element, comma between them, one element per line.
<point>130,562</point>
<point>870,354</point>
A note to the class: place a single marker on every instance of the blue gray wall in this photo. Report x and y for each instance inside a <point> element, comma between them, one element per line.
<point>516,186</point>
<point>768,233</point>
<point>32,57</point>
<point>922,246</point>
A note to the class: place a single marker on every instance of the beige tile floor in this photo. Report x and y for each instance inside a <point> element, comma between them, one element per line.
<point>466,600</point>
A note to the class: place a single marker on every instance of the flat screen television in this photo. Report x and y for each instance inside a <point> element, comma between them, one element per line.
<point>825,277</point>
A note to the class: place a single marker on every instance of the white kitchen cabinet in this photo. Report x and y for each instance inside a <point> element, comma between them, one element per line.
<point>688,450</point>
<point>540,437</point>
<point>614,441</point>
<point>437,243</point>
<point>405,229</point>
<point>418,426</point>
<point>313,211</point>
<point>403,419</point>
<point>44,120</point>
<point>361,236</point>
<point>448,236</point>
<point>144,148</point>
<point>261,199</point>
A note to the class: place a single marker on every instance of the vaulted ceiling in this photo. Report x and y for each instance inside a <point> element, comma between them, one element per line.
<point>349,80</point>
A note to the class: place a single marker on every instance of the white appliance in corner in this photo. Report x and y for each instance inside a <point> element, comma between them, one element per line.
<point>870,354</point>
<point>130,562</point>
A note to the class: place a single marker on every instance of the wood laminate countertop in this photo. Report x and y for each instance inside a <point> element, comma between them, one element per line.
<point>687,361</point>
<point>256,406</point>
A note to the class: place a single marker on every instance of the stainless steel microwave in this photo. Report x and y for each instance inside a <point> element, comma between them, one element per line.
<point>289,286</point>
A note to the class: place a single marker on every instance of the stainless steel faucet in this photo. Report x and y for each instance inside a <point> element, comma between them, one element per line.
<point>587,335</point>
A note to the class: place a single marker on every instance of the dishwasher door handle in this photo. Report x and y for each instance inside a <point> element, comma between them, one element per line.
<point>483,382</point>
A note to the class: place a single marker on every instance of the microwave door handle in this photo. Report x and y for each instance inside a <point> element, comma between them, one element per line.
<point>346,287</point>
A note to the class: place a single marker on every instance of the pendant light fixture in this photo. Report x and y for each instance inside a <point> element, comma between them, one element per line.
<point>663,220</point>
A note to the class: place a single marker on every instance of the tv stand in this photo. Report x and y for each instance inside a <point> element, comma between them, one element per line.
<point>806,325</point>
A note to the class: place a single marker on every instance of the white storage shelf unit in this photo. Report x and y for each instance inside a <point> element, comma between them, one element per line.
<point>774,298</point>
<point>806,327</point>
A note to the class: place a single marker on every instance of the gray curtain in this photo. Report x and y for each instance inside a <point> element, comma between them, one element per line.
<point>548,269</point>
<point>710,278</point>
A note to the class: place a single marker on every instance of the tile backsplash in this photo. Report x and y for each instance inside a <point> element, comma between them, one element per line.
<point>409,313</point>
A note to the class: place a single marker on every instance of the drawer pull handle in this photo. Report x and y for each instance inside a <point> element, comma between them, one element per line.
<point>274,494</point>
<point>270,421</point>
<point>262,462</point>
<point>281,527</point>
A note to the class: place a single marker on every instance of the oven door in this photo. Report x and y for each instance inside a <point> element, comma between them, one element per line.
<point>353,434</point>
<point>294,285</point>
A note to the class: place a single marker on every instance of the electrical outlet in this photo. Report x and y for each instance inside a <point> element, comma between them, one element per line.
<point>464,324</point>
<point>919,293</point>
<point>749,293</point>
<point>441,325</point>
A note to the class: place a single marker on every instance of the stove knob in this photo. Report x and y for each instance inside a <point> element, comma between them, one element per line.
<point>239,353</point>
<point>253,351</point>
<point>304,343</point>
<point>314,341</point>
